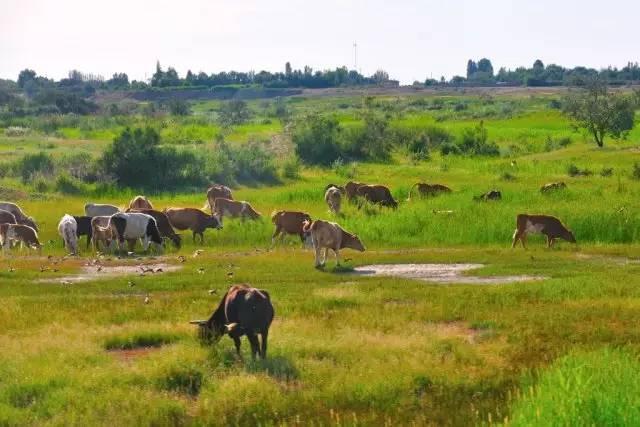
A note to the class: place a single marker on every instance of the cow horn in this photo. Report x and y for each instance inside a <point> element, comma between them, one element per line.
<point>198,322</point>
<point>231,326</point>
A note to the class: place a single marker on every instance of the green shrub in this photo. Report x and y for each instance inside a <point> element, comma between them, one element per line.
<point>66,184</point>
<point>291,168</point>
<point>140,340</point>
<point>317,140</point>
<point>606,172</point>
<point>575,171</point>
<point>635,174</point>
<point>32,164</point>
<point>185,380</point>
<point>449,148</point>
<point>253,163</point>
<point>475,141</point>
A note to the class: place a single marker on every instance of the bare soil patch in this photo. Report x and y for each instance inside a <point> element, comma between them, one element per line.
<point>440,273</point>
<point>131,354</point>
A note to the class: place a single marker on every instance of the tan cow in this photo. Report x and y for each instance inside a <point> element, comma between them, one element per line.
<point>425,189</point>
<point>21,217</point>
<point>329,235</point>
<point>18,233</point>
<point>102,232</point>
<point>192,219</point>
<point>333,198</point>
<point>140,202</point>
<point>217,191</point>
<point>550,226</point>
<point>289,222</point>
<point>235,209</point>
<point>552,186</point>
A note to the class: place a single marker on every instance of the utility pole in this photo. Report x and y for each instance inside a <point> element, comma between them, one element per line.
<point>355,56</point>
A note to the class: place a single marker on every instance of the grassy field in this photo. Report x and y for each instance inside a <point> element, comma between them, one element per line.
<point>346,349</point>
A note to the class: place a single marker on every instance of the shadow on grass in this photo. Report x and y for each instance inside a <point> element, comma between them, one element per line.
<point>277,367</point>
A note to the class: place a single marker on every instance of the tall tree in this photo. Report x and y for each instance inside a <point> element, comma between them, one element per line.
<point>485,66</point>
<point>472,68</point>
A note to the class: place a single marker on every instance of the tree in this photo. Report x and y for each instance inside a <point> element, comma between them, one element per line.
<point>538,64</point>
<point>600,111</point>
<point>287,69</point>
<point>484,66</point>
<point>234,112</point>
<point>25,76</point>
<point>381,76</point>
<point>472,68</point>
<point>316,140</point>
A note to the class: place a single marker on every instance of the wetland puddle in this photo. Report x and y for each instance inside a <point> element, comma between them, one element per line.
<point>97,272</point>
<point>440,273</point>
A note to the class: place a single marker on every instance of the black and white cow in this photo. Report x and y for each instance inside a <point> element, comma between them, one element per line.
<point>133,226</point>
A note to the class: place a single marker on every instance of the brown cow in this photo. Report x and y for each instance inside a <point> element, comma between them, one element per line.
<point>425,189</point>
<point>550,226</point>
<point>21,217</point>
<point>164,225</point>
<point>7,217</point>
<point>488,196</point>
<point>333,198</point>
<point>243,310</point>
<point>226,207</point>
<point>351,189</point>
<point>289,222</point>
<point>18,233</point>
<point>217,191</point>
<point>192,219</point>
<point>329,235</point>
<point>552,186</point>
<point>102,232</point>
<point>378,194</point>
<point>140,202</point>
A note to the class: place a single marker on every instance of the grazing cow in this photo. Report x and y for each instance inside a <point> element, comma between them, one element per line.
<point>133,226</point>
<point>333,197</point>
<point>97,209</point>
<point>289,222</point>
<point>84,228</point>
<point>7,217</point>
<point>102,232</point>
<point>489,195</point>
<point>18,233</point>
<point>68,230</point>
<point>192,219</point>
<point>21,217</point>
<point>140,202</point>
<point>243,310</point>
<point>425,189</point>
<point>351,189</point>
<point>552,186</point>
<point>164,225</point>
<point>329,235</point>
<point>377,194</point>
<point>550,226</point>
<point>214,192</point>
<point>234,209</point>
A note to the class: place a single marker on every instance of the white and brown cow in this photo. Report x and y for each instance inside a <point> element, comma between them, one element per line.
<point>235,209</point>
<point>24,234</point>
<point>18,213</point>
<point>329,235</point>
<point>550,226</point>
<point>99,209</point>
<point>68,230</point>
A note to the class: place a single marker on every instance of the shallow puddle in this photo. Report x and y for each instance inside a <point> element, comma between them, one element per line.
<point>96,272</point>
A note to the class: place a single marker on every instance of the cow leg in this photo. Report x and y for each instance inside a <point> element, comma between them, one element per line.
<point>317,248</point>
<point>516,237</point>
<point>255,345</point>
<point>263,344</point>
<point>337,252</point>
<point>326,255</point>
<point>202,238</point>
<point>550,241</point>
<point>275,234</point>
<point>194,237</point>
<point>236,341</point>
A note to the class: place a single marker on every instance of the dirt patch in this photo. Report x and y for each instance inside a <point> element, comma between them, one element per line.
<point>97,272</point>
<point>131,354</point>
<point>439,273</point>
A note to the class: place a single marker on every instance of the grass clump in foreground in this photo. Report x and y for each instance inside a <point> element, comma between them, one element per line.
<point>596,388</point>
<point>140,340</point>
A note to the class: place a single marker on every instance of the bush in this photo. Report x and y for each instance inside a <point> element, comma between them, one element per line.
<point>316,140</point>
<point>16,131</point>
<point>32,164</point>
<point>234,112</point>
<point>291,168</point>
<point>475,141</point>
<point>67,184</point>
<point>449,148</point>
<point>574,171</point>
<point>371,140</point>
<point>178,107</point>
<point>635,174</point>
<point>253,163</point>
<point>606,172</point>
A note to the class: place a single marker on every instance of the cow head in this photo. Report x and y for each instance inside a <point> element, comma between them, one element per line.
<point>30,222</point>
<point>568,236</point>
<point>213,222</point>
<point>352,241</point>
<point>214,328</point>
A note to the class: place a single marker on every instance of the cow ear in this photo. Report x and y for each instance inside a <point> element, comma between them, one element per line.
<point>230,327</point>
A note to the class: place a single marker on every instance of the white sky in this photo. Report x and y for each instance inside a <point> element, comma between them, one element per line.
<point>410,39</point>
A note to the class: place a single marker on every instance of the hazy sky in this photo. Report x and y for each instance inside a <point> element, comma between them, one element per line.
<point>410,39</point>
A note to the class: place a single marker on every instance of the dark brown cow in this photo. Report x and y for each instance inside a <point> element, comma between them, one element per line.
<point>192,219</point>
<point>217,191</point>
<point>352,188</point>
<point>21,217</point>
<point>24,234</point>
<point>243,310</point>
<point>7,217</point>
<point>377,194</point>
<point>425,189</point>
<point>289,222</point>
<point>164,225</point>
<point>550,226</point>
<point>84,228</point>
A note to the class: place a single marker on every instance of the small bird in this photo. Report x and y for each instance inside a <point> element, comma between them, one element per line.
<point>131,284</point>
<point>11,269</point>
<point>147,299</point>
<point>158,270</point>
<point>130,253</point>
<point>201,270</point>
<point>49,257</point>
<point>55,270</point>
<point>348,259</point>
<point>65,282</point>
<point>213,291</point>
<point>43,268</point>
<point>181,258</point>
<point>197,252</point>
<point>230,274</point>
<point>99,269</point>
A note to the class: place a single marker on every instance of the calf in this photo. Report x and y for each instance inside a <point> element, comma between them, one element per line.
<point>18,233</point>
<point>289,222</point>
<point>235,209</point>
<point>97,209</point>
<point>333,198</point>
<point>489,195</point>
<point>192,219</point>
<point>21,217</point>
<point>68,230</point>
<point>550,226</point>
<point>425,189</point>
<point>243,310</point>
<point>329,235</point>
<point>84,227</point>
<point>140,202</point>
<point>164,225</point>
<point>377,194</point>
<point>133,226</point>
<point>552,186</point>
<point>7,217</point>
<point>214,192</point>
<point>101,232</point>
